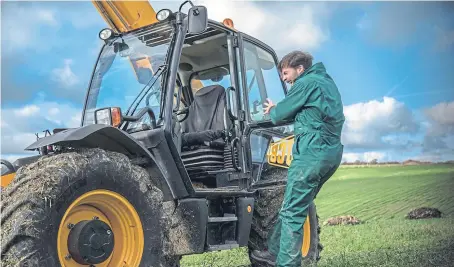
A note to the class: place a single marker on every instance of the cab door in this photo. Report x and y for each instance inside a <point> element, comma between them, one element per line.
<point>268,147</point>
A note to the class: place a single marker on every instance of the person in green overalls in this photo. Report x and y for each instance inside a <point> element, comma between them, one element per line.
<point>315,106</point>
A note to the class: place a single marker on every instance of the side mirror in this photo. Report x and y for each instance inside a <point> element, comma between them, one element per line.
<point>197,19</point>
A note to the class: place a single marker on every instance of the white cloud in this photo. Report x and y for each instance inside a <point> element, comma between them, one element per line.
<point>439,136</point>
<point>351,157</point>
<point>388,130</point>
<point>46,16</point>
<point>16,143</point>
<point>429,157</point>
<point>22,25</point>
<point>369,156</point>
<point>64,76</point>
<point>368,124</point>
<point>270,21</point>
<point>3,123</point>
<point>27,111</point>
<point>54,111</point>
<point>364,157</point>
<point>13,157</point>
<point>441,118</point>
<point>306,35</point>
<point>19,125</point>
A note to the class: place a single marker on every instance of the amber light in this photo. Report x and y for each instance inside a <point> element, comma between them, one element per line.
<point>116,117</point>
<point>228,22</point>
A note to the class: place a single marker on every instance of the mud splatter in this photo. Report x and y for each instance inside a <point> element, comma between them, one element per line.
<point>423,213</point>
<point>343,220</point>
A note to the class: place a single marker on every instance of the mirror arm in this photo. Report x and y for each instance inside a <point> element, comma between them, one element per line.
<point>184,3</point>
<point>136,117</point>
<point>140,114</point>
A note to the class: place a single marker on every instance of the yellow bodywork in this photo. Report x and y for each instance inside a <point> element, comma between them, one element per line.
<point>6,179</point>
<point>125,16</point>
<point>280,153</point>
<point>306,237</point>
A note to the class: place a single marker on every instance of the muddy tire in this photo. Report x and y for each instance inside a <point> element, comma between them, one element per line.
<point>265,216</point>
<point>38,199</point>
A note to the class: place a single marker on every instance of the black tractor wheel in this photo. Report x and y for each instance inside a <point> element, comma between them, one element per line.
<point>89,207</point>
<point>266,213</point>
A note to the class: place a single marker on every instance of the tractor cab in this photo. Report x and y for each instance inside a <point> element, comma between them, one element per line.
<point>203,88</point>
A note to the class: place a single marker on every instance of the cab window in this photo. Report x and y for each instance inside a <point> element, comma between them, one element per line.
<point>262,80</point>
<point>215,76</point>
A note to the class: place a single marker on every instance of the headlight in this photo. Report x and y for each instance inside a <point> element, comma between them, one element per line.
<point>102,116</point>
<point>109,116</point>
<point>163,14</point>
<point>105,34</point>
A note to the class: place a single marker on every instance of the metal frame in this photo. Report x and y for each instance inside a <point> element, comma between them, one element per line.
<point>240,106</point>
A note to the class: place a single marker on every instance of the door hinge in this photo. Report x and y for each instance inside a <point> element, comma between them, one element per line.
<point>235,41</point>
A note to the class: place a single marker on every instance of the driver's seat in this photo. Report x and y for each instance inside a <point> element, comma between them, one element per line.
<point>203,132</point>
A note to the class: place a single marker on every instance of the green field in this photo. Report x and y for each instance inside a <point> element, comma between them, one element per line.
<point>380,196</point>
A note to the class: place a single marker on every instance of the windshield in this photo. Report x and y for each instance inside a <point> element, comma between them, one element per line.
<point>126,67</point>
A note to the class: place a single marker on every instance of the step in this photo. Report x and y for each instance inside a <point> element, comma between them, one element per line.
<point>222,247</point>
<point>222,219</point>
<point>233,191</point>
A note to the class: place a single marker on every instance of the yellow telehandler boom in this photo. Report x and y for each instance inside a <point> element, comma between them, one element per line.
<point>124,16</point>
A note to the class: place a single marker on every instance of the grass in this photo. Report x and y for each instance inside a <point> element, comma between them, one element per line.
<point>372,193</point>
<point>380,196</point>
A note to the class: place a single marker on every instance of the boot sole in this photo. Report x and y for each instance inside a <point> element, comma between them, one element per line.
<point>272,263</point>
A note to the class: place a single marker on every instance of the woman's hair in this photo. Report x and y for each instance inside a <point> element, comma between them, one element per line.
<point>295,59</point>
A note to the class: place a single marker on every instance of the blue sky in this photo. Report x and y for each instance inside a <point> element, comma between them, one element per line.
<point>392,61</point>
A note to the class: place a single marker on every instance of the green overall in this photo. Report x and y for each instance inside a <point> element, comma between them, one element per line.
<point>314,104</point>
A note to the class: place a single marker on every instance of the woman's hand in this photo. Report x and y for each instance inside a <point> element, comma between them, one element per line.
<point>268,106</point>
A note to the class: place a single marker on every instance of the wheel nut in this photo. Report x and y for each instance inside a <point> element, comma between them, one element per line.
<point>96,218</point>
<point>109,232</point>
<point>68,257</point>
<point>70,225</point>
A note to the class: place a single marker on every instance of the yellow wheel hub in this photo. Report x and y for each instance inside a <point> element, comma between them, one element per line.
<point>306,237</point>
<point>115,211</point>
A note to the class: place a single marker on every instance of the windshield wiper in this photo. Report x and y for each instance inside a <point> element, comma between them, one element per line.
<point>145,89</point>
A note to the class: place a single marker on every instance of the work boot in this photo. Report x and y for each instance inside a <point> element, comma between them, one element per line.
<point>264,256</point>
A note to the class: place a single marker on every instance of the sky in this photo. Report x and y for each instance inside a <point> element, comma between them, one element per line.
<point>393,63</point>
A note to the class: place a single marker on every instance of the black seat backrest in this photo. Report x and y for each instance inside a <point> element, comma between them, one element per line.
<point>207,111</point>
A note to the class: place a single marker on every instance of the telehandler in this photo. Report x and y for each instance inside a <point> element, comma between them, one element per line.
<point>173,156</point>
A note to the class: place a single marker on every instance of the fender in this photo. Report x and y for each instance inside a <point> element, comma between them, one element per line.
<point>112,139</point>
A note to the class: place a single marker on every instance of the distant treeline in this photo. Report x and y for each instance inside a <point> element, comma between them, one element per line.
<point>406,162</point>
